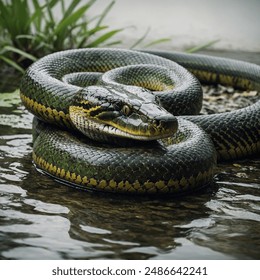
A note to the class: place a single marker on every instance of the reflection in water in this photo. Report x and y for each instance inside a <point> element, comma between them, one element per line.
<point>42,219</point>
<point>59,222</point>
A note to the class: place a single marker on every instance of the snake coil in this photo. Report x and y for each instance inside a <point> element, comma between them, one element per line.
<point>136,99</point>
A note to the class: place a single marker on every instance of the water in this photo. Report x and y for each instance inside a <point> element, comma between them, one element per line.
<point>42,219</point>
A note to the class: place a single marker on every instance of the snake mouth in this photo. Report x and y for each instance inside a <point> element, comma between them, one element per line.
<point>96,129</point>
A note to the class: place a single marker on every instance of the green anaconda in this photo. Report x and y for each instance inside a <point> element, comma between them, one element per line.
<point>139,112</point>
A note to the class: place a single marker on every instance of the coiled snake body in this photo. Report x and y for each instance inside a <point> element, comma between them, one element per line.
<point>125,102</point>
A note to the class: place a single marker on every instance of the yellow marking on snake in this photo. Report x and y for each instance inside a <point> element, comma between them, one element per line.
<point>111,185</point>
<point>151,85</point>
<point>228,144</point>
<point>224,79</point>
<point>80,112</point>
<point>43,111</point>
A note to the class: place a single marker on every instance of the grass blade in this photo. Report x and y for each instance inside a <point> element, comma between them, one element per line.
<point>104,13</point>
<point>49,6</point>
<point>20,52</point>
<point>73,5</point>
<point>70,19</point>
<point>201,47</point>
<point>113,43</point>
<point>12,63</point>
<point>85,36</point>
<point>140,40</point>
<point>37,17</point>
<point>103,38</point>
<point>159,41</point>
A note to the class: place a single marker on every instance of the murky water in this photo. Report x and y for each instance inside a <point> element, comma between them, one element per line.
<point>42,219</point>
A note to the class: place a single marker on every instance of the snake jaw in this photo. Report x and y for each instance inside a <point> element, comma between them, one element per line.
<point>102,111</point>
<point>134,128</point>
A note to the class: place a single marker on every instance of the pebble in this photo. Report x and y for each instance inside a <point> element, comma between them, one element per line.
<point>220,99</point>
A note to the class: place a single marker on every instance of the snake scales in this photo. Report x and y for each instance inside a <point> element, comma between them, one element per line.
<point>135,99</point>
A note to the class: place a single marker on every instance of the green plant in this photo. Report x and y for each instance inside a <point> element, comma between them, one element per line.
<point>201,47</point>
<point>141,40</point>
<point>29,30</point>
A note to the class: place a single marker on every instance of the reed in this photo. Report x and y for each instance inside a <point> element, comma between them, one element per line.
<point>29,29</point>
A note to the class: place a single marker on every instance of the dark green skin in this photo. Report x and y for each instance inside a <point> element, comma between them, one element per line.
<point>147,161</point>
<point>235,134</point>
<point>43,80</point>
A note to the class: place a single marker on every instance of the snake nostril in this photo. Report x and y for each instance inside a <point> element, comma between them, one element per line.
<point>167,122</point>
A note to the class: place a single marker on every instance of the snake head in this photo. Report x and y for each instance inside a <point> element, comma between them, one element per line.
<point>102,113</point>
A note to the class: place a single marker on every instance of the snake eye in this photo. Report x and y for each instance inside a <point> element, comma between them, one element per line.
<point>126,110</point>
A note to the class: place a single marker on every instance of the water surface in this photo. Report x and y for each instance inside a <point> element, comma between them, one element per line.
<point>43,219</point>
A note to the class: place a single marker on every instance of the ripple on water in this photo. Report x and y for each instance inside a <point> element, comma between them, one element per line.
<point>15,146</point>
<point>41,233</point>
<point>42,219</point>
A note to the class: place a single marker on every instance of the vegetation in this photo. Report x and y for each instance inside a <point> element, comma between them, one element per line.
<point>201,47</point>
<point>29,29</point>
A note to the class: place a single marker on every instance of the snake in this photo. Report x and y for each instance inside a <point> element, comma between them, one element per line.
<point>129,121</point>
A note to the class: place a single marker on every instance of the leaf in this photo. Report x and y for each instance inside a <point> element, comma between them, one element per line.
<point>159,41</point>
<point>103,38</point>
<point>113,43</point>
<point>141,39</point>
<point>22,53</point>
<point>26,36</point>
<point>104,13</point>
<point>73,18</point>
<point>85,36</point>
<point>73,5</point>
<point>37,17</point>
<point>201,47</point>
<point>12,63</point>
